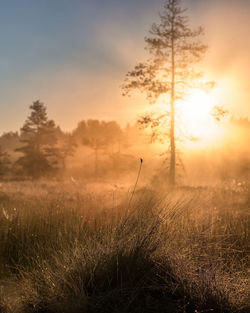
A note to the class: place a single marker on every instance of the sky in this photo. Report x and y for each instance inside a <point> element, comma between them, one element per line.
<point>73,55</point>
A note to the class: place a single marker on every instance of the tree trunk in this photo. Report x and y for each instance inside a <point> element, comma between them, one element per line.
<point>172,123</point>
<point>96,162</point>
<point>63,164</point>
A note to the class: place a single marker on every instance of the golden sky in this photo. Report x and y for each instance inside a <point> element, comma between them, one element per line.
<point>74,56</point>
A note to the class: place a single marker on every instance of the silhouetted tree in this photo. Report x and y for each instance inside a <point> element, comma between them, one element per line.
<point>99,136</point>
<point>173,50</point>
<point>4,163</point>
<point>66,148</point>
<point>95,138</point>
<point>80,132</point>
<point>114,136</point>
<point>10,141</point>
<point>38,134</point>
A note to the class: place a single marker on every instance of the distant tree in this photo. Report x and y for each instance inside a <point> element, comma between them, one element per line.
<point>4,163</point>
<point>79,133</point>
<point>100,137</point>
<point>174,48</point>
<point>10,141</point>
<point>39,152</point>
<point>115,142</point>
<point>66,148</point>
<point>95,138</point>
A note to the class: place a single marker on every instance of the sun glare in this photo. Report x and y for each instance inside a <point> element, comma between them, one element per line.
<point>195,114</point>
<point>194,118</point>
<point>197,106</point>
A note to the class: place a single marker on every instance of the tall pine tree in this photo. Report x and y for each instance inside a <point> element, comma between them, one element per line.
<point>39,150</point>
<point>174,48</point>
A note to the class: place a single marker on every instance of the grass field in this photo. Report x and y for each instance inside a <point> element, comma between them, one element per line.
<point>68,247</point>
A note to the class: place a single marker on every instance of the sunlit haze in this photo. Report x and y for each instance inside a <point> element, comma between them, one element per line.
<point>196,117</point>
<point>73,55</point>
<point>124,156</point>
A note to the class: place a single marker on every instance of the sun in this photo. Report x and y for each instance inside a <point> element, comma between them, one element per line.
<point>195,125</point>
<point>198,105</point>
<point>195,115</point>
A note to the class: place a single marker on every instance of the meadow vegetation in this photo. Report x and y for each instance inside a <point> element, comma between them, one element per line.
<point>67,247</point>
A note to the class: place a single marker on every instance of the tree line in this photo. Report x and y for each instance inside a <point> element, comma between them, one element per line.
<point>170,71</point>
<point>43,148</point>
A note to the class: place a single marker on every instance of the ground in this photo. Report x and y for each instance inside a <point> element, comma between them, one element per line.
<point>70,246</point>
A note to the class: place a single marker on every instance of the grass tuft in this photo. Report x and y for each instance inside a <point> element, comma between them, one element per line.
<point>72,252</point>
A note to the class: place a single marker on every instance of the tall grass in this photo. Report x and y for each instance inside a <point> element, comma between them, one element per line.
<point>74,252</point>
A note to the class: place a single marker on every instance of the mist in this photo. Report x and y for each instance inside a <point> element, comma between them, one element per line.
<point>124,156</point>
<point>87,84</point>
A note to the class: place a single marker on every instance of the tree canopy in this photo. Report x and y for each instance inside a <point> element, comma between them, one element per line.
<point>174,48</point>
<point>39,150</point>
